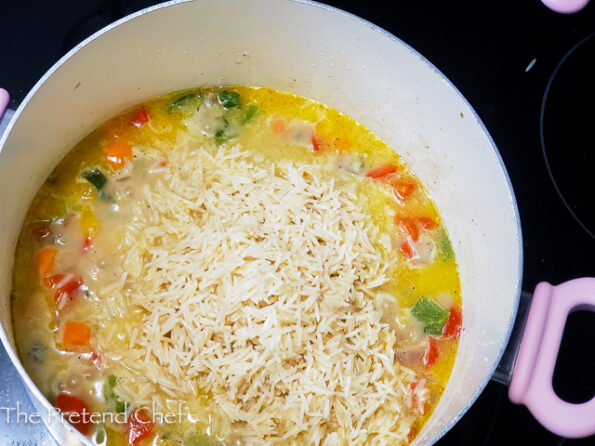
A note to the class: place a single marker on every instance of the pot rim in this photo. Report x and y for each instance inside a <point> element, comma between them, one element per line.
<point>32,388</point>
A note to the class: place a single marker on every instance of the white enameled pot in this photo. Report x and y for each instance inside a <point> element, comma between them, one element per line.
<point>315,51</point>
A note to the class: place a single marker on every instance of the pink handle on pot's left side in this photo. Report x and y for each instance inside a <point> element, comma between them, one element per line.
<point>3,100</point>
<point>532,378</point>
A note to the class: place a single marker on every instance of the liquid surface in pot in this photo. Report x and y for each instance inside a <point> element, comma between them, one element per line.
<point>236,265</point>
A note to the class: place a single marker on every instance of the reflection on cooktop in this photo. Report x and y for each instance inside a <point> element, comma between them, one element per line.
<point>567,120</point>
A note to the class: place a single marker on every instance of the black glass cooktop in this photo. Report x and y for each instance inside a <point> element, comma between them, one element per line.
<point>501,56</point>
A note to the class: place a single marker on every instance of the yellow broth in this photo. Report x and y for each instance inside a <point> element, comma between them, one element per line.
<point>282,126</point>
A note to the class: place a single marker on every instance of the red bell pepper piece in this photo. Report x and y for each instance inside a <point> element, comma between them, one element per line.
<point>139,426</point>
<point>67,292</point>
<point>432,353</point>
<point>75,411</point>
<point>452,328</point>
<point>381,171</point>
<point>141,118</point>
<point>316,144</point>
<point>87,244</point>
<point>407,249</point>
<point>409,225</point>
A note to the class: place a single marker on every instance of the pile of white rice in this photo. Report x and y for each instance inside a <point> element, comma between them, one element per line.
<point>257,284</point>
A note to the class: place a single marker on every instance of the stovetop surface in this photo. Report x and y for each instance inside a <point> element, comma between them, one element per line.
<point>501,56</point>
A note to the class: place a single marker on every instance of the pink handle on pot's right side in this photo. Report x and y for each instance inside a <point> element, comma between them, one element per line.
<point>532,378</point>
<point>3,100</point>
<point>565,6</point>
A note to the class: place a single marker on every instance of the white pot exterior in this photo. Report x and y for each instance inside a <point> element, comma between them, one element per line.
<point>314,51</point>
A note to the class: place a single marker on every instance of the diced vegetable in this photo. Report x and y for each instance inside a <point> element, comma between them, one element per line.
<point>341,144</point>
<point>417,389</point>
<point>53,280</point>
<point>221,136</point>
<point>45,260</point>
<point>427,222</point>
<point>97,359</point>
<point>100,435</point>
<point>279,126</point>
<point>430,314</point>
<point>187,103</point>
<point>432,353</point>
<point>87,244</point>
<point>316,143</point>
<point>403,189</point>
<point>407,249</point>
<point>88,222</point>
<point>139,426</point>
<point>114,403</point>
<point>381,171</point>
<point>248,113</point>
<point>76,334</point>
<point>444,247</point>
<point>75,411</point>
<point>99,181</point>
<point>229,99</point>
<point>140,118</point>
<point>408,225</point>
<point>96,178</point>
<point>118,152</point>
<point>66,292</point>
<point>453,326</point>
<point>412,225</point>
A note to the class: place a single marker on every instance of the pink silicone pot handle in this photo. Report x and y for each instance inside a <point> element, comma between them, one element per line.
<point>565,6</point>
<point>532,377</point>
<point>3,100</point>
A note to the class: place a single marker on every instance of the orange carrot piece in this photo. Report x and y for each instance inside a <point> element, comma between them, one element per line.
<point>76,334</point>
<point>45,261</point>
<point>341,144</point>
<point>427,222</point>
<point>381,171</point>
<point>117,153</point>
<point>279,126</point>
<point>403,189</point>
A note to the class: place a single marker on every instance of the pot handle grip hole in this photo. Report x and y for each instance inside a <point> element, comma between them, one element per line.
<point>531,383</point>
<point>3,101</point>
